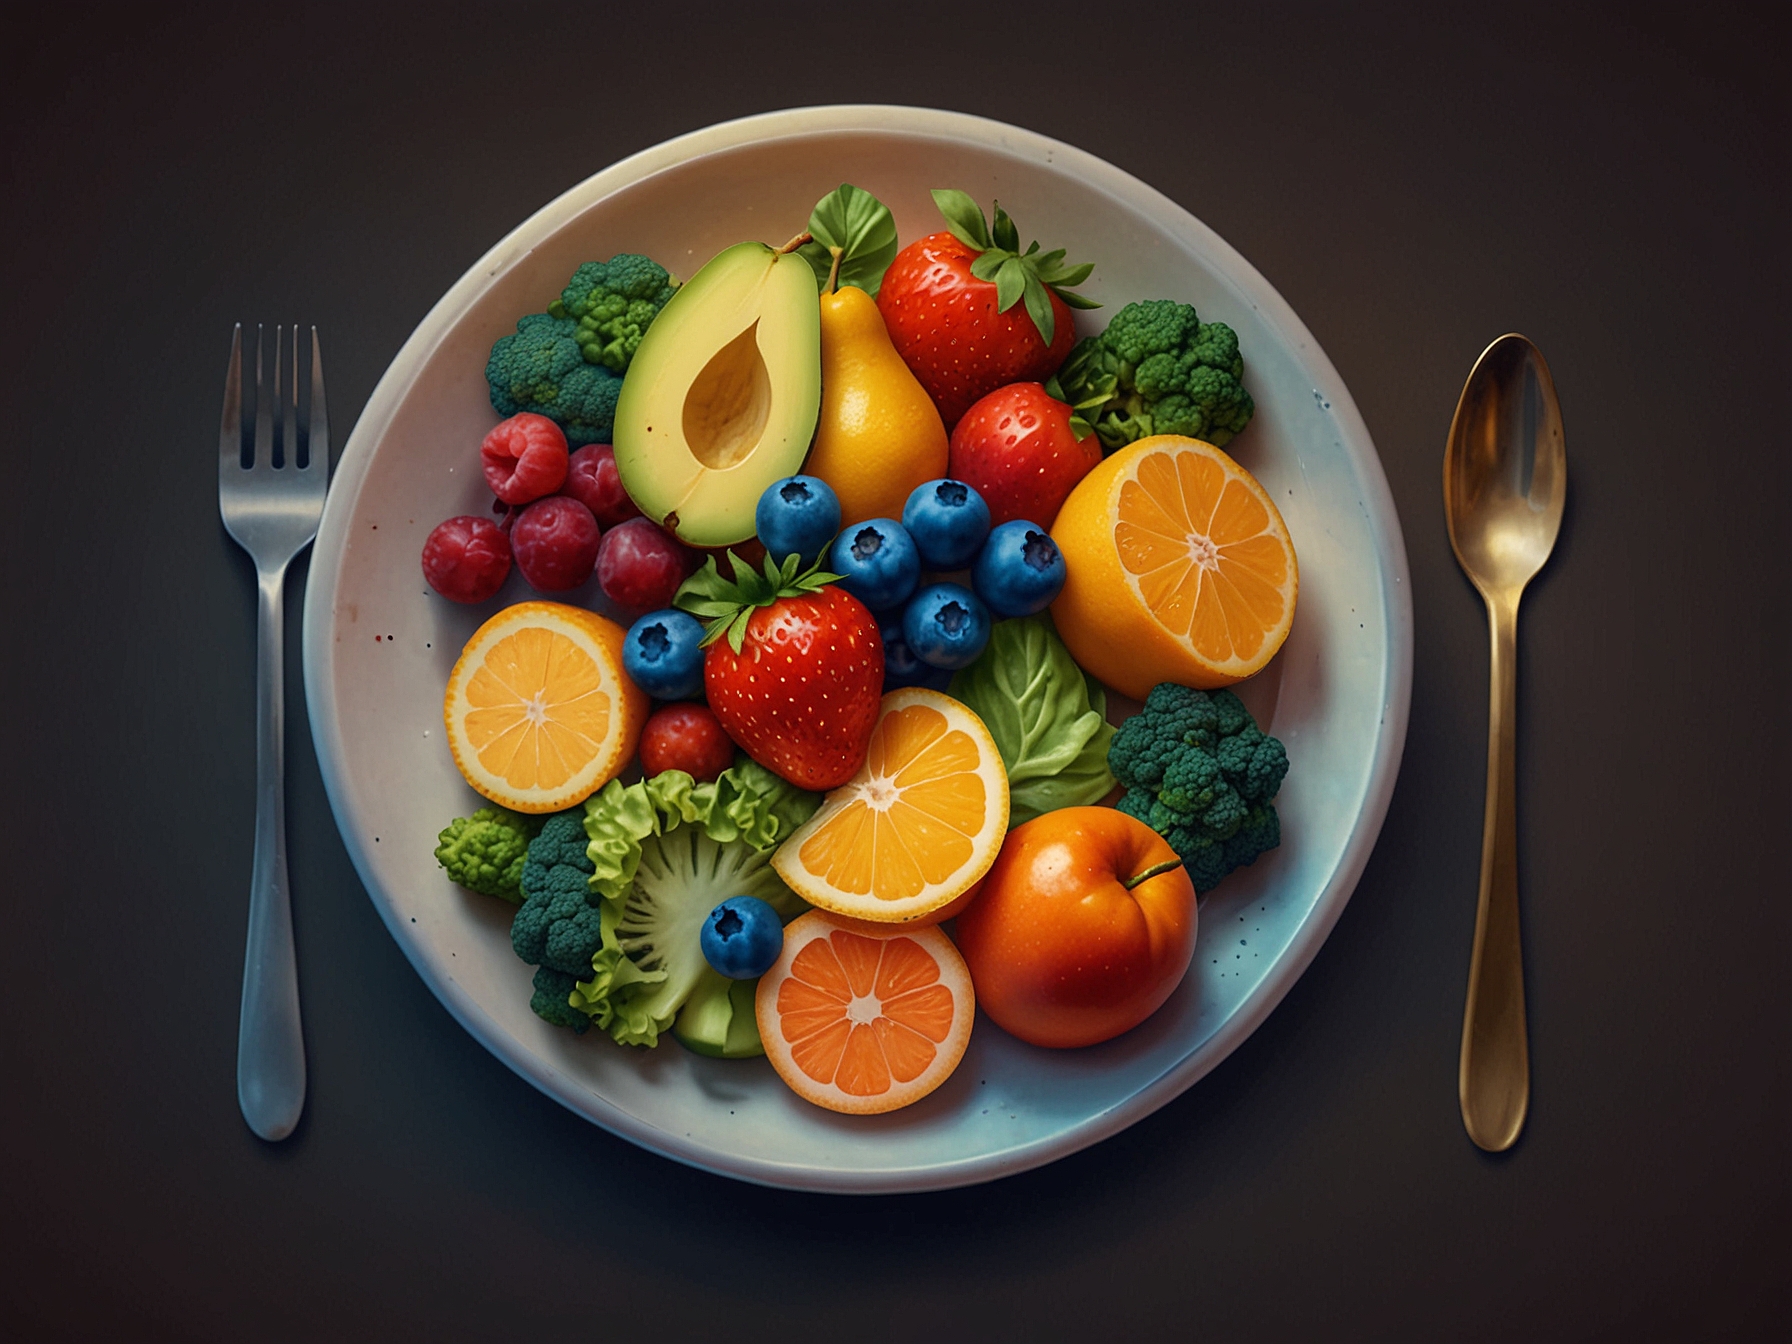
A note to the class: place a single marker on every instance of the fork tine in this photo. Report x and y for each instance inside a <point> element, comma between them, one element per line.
<point>264,404</point>
<point>318,439</point>
<point>230,433</point>
<point>292,403</point>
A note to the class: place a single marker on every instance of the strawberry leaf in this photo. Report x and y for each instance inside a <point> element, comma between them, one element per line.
<point>1011,283</point>
<point>1031,275</point>
<point>1003,232</point>
<point>1039,306</point>
<point>964,217</point>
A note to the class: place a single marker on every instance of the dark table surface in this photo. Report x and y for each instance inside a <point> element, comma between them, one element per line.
<point>1613,185</point>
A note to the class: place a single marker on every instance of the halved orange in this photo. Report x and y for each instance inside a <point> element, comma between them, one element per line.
<point>864,1022</point>
<point>1178,567</point>
<point>918,825</point>
<point>539,711</point>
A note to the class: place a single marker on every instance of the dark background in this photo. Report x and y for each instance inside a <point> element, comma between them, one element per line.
<point>1612,183</point>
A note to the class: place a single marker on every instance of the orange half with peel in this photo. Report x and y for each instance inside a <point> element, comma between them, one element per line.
<point>915,828</point>
<point>539,711</point>
<point>1178,567</point>
<point>864,1021</point>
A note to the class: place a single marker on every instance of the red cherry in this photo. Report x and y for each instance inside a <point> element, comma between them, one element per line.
<point>466,559</point>
<point>524,458</point>
<point>640,565</point>
<point>591,478</point>
<point>687,737</point>
<point>556,543</point>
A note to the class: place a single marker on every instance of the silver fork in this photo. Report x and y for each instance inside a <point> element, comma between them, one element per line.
<point>271,509</point>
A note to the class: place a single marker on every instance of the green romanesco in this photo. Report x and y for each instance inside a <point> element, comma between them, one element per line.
<point>1199,771</point>
<point>485,852</point>
<point>613,302</point>
<point>559,926</point>
<point>1158,369</point>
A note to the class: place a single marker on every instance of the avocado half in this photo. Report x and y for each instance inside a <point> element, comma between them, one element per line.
<point>722,396</point>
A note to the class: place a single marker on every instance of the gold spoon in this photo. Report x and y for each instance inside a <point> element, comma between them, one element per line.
<point>1505,477</point>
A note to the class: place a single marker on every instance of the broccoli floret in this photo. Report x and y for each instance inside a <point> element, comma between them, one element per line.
<point>558,927</point>
<point>1159,369</point>
<point>1199,771</point>
<point>552,1000</point>
<point>541,369</point>
<point>485,852</point>
<point>613,302</point>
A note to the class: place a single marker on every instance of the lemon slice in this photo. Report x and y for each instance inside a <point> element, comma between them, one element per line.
<point>919,824</point>
<point>539,711</point>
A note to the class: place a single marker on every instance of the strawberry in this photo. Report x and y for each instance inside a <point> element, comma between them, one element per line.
<point>1018,448</point>
<point>793,667</point>
<point>969,311</point>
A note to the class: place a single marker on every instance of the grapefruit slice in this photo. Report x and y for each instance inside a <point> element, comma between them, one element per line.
<point>1178,567</point>
<point>539,711</point>
<point>864,1021</point>
<point>915,828</point>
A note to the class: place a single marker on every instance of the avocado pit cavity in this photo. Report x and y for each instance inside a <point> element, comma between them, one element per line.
<point>729,403</point>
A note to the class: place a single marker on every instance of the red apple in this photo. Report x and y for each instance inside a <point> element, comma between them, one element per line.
<point>1084,926</point>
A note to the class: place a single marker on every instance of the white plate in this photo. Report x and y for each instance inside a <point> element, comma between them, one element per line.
<point>379,646</point>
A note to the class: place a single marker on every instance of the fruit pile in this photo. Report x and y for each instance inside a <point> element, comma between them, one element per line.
<point>886,533</point>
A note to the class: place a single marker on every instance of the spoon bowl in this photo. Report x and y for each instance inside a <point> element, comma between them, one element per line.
<point>1505,467</point>
<point>1505,481</point>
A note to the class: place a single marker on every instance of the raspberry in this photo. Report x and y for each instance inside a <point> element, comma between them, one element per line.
<point>592,480</point>
<point>466,559</point>
<point>524,458</point>
<point>555,541</point>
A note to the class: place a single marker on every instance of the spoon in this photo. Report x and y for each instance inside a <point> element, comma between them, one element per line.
<point>1505,478</point>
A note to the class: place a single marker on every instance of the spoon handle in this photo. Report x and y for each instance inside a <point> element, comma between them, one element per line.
<point>1494,1084</point>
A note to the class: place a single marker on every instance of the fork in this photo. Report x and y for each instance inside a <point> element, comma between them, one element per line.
<point>271,502</point>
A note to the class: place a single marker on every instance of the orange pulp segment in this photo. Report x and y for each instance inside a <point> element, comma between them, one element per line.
<point>864,1021</point>
<point>538,709</point>
<point>921,821</point>
<point>1179,568</point>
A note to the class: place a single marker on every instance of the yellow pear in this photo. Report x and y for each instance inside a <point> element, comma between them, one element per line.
<point>879,435</point>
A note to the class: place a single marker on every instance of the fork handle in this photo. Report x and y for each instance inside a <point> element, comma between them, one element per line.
<point>270,1048</point>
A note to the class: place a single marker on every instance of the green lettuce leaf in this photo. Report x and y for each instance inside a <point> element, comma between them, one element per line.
<point>1045,715</point>
<point>638,985</point>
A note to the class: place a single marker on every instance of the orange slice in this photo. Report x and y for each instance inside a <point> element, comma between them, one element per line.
<point>920,823</point>
<point>864,1021</point>
<point>539,711</point>
<point>1178,568</point>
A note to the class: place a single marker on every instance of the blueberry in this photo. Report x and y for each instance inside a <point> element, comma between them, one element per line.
<point>877,562</point>
<point>797,516</point>
<point>948,520</point>
<point>742,937</point>
<point>945,625</point>
<point>662,657</point>
<point>902,668</point>
<point>1019,570</point>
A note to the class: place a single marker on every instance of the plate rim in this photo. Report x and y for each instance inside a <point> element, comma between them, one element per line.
<point>513,248</point>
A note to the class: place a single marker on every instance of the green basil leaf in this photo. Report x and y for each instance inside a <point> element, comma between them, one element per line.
<point>964,217</point>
